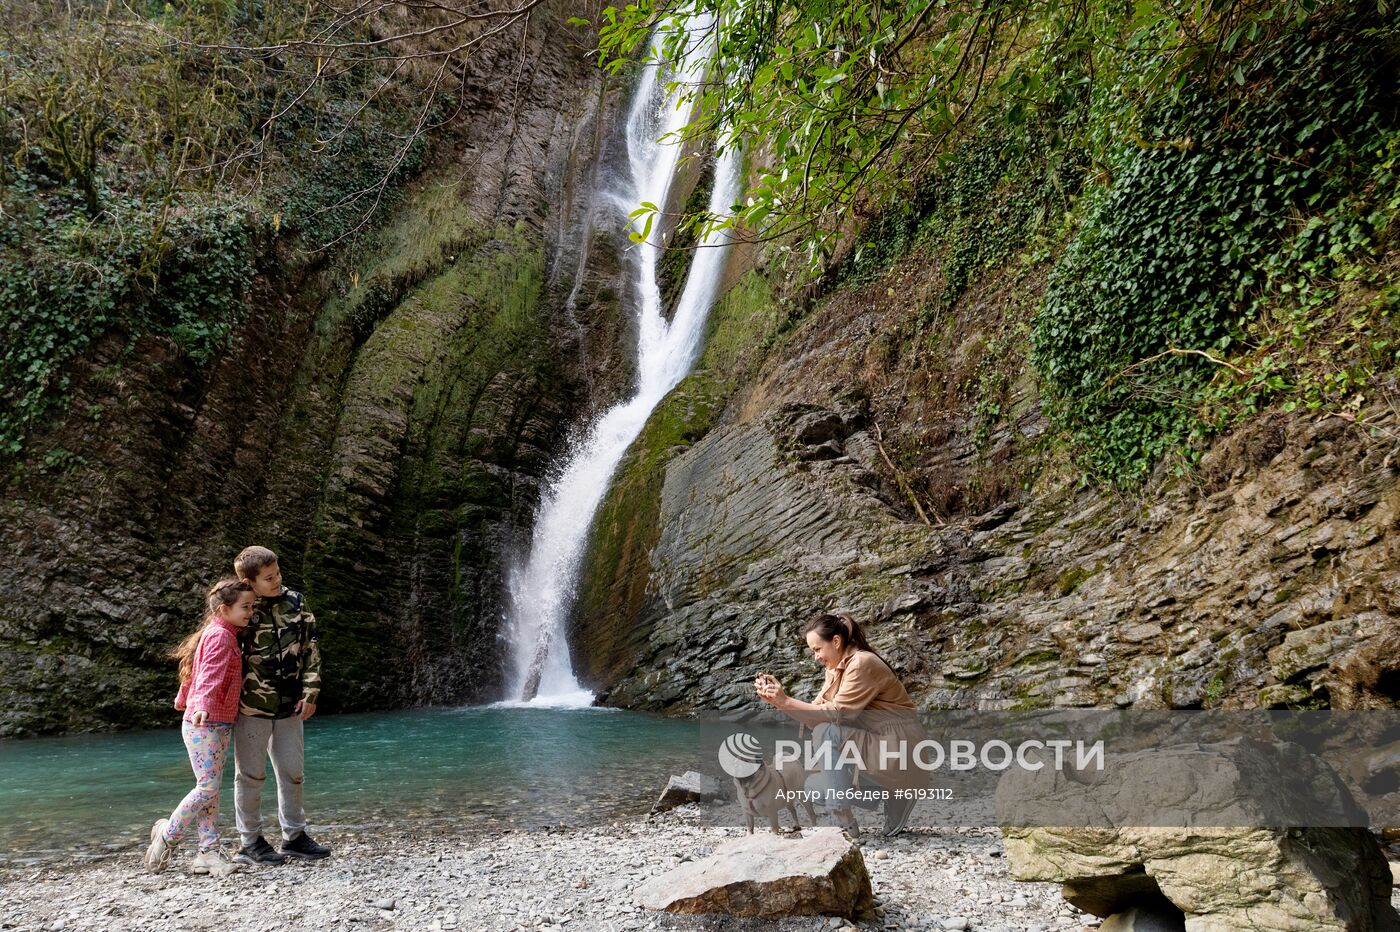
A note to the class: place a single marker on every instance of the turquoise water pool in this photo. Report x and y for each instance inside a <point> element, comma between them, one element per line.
<point>484,767</point>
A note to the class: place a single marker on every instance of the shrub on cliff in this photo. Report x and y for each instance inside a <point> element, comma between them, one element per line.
<point>1224,198</point>
<point>151,154</point>
<point>1225,156</point>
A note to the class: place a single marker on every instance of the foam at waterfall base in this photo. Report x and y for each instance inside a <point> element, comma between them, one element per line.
<point>576,699</point>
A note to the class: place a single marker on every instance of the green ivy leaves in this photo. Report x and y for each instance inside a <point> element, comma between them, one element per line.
<point>1223,201</point>
<point>59,291</point>
<point>156,228</point>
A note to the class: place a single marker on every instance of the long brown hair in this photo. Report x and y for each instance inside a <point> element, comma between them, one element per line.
<point>829,624</point>
<point>224,592</point>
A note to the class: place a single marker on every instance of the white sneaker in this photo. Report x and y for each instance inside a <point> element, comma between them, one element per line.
<point>157,856</point>
<point>214,863</point>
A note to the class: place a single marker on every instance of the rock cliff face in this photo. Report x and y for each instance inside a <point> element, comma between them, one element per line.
<point>853,465</point>
<point>381,422</point>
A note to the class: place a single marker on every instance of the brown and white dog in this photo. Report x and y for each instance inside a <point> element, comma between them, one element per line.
<point>758,794</point>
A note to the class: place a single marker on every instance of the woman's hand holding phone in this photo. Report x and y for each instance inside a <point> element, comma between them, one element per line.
<point>768,688</point>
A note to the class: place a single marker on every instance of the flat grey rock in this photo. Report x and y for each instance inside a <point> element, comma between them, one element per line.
<point>690,787</point>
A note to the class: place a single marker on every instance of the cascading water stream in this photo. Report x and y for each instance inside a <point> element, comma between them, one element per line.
<point>542,589</point>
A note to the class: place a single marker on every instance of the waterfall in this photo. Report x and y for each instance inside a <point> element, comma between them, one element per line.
<point>542,589</point>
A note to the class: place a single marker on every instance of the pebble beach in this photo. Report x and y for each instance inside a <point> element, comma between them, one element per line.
<point>575,878</point>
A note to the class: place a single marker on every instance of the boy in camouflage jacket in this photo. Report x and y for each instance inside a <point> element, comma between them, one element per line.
<point>281,685</point>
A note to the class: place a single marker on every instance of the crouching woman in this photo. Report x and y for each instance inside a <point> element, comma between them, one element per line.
<point>862,721</point>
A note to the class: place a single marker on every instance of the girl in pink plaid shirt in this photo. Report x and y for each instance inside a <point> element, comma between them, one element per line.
<point>211,678</point>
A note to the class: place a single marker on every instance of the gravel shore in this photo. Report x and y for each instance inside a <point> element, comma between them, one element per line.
<point>571,878</point>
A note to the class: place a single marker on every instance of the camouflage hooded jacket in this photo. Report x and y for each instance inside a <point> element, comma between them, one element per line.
<point>281,662</point>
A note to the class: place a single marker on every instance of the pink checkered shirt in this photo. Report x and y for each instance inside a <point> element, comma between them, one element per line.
<point>218,674</point>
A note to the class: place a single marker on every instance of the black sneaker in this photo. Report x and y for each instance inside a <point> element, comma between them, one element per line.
<point>259,853</point>
<point>303,847</point>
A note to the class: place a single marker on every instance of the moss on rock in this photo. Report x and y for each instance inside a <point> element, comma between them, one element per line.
<point>434,419</point>
<point>616,568</point>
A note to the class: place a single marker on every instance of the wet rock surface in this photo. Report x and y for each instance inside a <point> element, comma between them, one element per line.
<point>1277,589</point>
<point>689,787</point>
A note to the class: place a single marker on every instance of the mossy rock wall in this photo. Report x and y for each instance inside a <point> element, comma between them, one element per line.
<point>450,403</point>
<point>730,524</point>
<point>889,450</point>
<point>381,419</point>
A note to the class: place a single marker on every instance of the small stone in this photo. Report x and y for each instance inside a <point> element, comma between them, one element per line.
<point>385,905</point>
<point>955,924</point>
<point>881,855</point>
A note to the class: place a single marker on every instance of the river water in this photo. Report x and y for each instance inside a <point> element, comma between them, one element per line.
<point>441,769</point>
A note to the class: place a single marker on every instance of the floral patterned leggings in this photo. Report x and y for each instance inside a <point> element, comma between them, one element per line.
<point>208,747</point>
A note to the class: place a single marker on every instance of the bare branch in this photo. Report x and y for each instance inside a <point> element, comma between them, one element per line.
<point>324,46</point>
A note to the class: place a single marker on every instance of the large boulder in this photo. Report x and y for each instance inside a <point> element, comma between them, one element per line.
<point>1206,854</point>
<point>819,872</point>
<point>1223,879</point>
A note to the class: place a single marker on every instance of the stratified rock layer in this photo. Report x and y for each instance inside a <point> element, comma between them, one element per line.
<point>1211,851</point>
<point>1223,879</point>
<point>826,470</point>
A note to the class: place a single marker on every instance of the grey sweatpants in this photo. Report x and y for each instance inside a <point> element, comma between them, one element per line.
<point>253,738</point>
